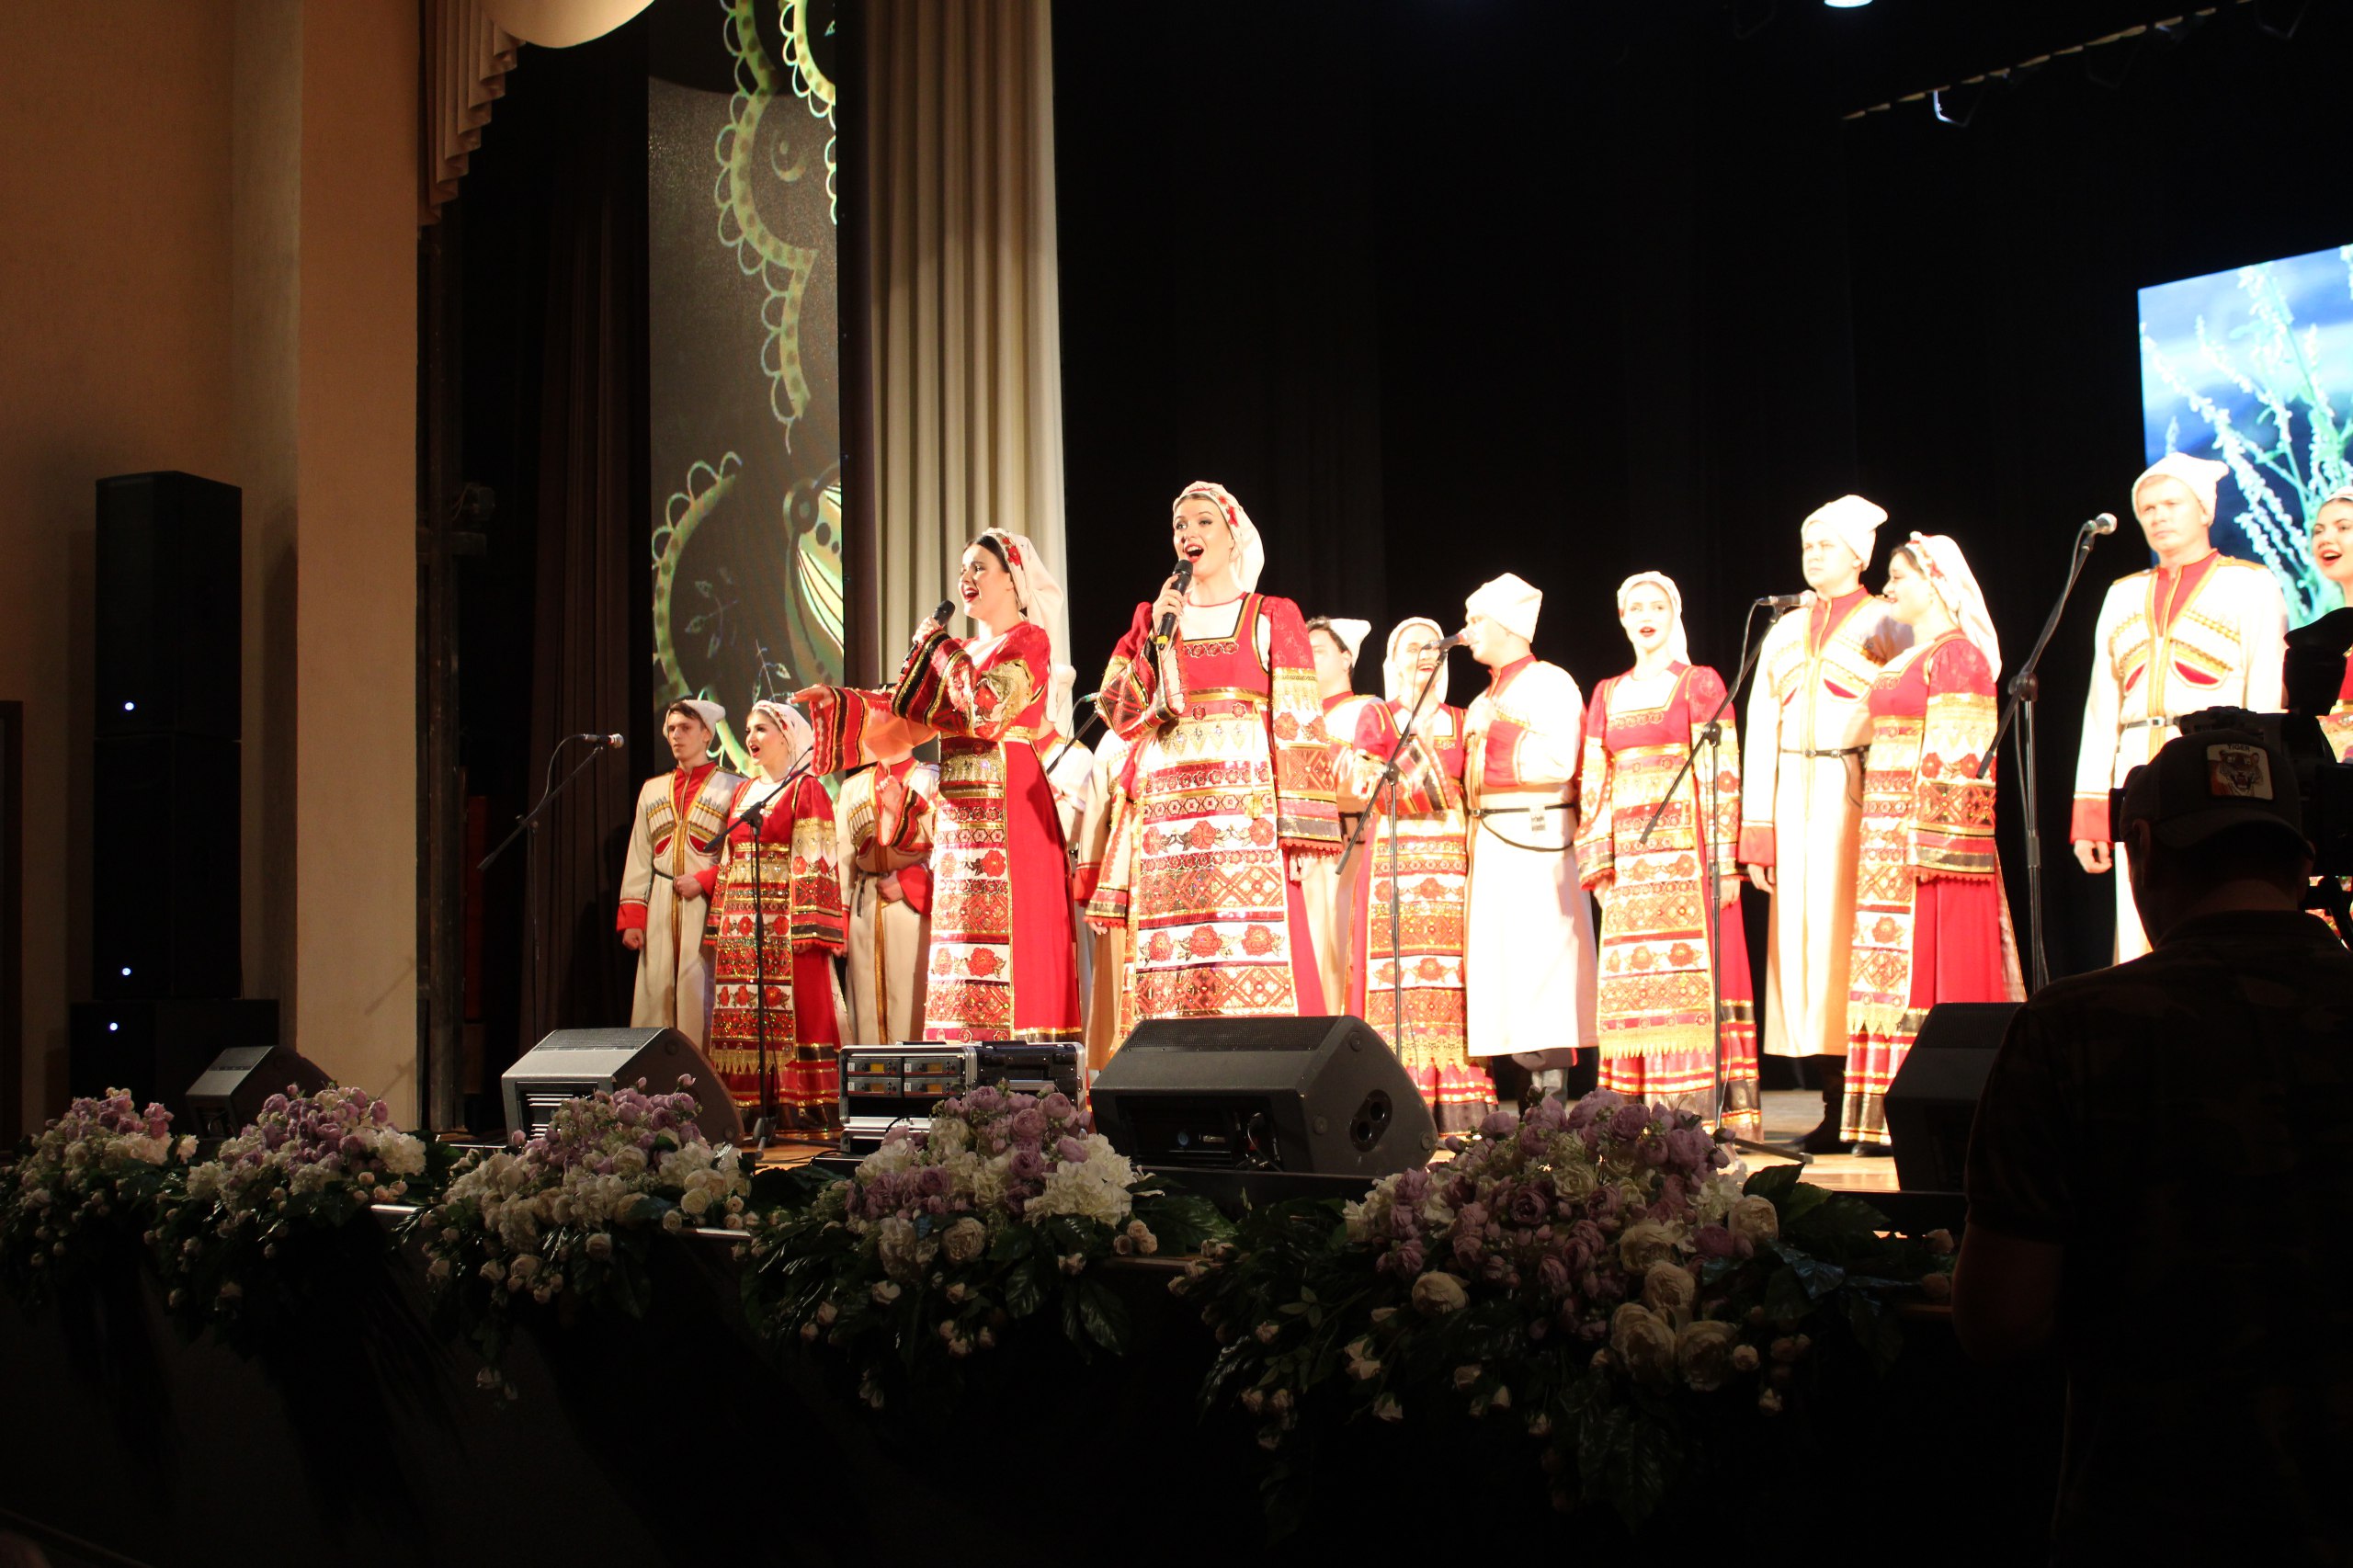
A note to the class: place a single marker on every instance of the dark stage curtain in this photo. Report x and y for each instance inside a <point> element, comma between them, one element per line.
<point>591,600</point>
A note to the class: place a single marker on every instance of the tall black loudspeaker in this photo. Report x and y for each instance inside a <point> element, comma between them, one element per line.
<point>1323,1096</point>
<point>1933,1101</point>
<point>166,781</point>
<point>170,595</point>
<point>164,862</point>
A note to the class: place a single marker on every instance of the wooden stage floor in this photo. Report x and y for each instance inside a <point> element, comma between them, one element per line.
<point>1789,1115</point>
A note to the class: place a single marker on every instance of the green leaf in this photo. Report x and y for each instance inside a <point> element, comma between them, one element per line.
<point>1104,1315</point>
<point>1024,1290</point>
<point>1647,1463</point>
<point>1818,1277</point>
<point>1772,1182</point>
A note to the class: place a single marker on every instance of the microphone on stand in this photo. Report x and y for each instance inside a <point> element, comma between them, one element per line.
<point>1788,601</point>
<point>2103,524</point>
<point>611,743</point>
<point>1180,578</point>
<point>1454,642</point>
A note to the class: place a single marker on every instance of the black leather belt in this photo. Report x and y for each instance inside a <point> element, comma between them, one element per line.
<point>1835,751</point>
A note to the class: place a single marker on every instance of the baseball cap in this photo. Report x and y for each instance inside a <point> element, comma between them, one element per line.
<point>2212,779</point>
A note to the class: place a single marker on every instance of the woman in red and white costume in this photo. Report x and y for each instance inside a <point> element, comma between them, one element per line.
<point>998,864</point>
<point>1930,922</point>
<point>1662,1004</point>
<point>1421,895</point>
<point>2333,553</point>
<point>776,923</point>
<point>1231,778</point>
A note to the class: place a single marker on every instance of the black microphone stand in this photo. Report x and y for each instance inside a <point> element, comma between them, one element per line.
<point>2020,705</point>
<point>1095,717</point>
<point>1388,780</point>
<point>530,822</point>
<point>755,814</point>
<point>1711,735</point>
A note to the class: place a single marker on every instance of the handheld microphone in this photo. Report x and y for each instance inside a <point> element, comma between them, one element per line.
<point>2103,524</point>
<point>946,613</point>
<point>1788,601</point>
<point>1180,578</point>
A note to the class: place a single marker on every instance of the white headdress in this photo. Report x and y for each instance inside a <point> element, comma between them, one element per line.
<point>1399,679</point>
<point>1956,588</point>
<point>2201,474</point>
<point>1249,555</point>
<point>1348,634</point>
<point>1854,520</point>
<point>1679,647</point>
<point>1035,590</point>
<point>711,713</point>
<point>1510,601</point>
<point>799,737</point>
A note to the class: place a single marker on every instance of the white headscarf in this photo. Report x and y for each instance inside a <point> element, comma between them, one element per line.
<point>799,737</point>
<point>1511,602</point>
<point>1679,647</point>
<point>2201,474</point>
<point>1035,590</point>
<point>1956,589</point>
<point>1398,679</point>
<point>1854,520</point>
<point>1249,555</point>
<point>1349,634</point>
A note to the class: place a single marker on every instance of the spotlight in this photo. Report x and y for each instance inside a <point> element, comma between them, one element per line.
<point>1845,4</point>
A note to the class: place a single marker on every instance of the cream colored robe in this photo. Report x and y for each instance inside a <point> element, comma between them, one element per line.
<point>674,982</point>
<point>889,941</point>
<point>1529,960</point>
<point>1804,814</point>
<point>2226,646</point>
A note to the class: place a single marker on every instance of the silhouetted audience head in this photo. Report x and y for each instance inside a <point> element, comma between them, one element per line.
<point>2214,823</point>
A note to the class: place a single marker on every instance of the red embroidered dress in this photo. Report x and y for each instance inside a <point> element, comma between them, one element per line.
<point>1930,925</point>
<point>1658,1037</point>
<point>998,863</point>
<point>776,921</point>
<point>1230,775</point>
<point>1429,838</point>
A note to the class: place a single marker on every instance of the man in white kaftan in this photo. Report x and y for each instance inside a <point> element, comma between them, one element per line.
<point>671,867</point>
<point>2198,629</point>
<point>1529,976</point>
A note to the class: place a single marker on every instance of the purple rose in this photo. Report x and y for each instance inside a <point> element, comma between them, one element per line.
<point>1689,1149</point>
<point>1629,1120</point>
<point>1461,1192</point>
<point>1057,1106</point>
<point>1029,1126</point>
<point>1072,1151</point>
<point>1412,1187</point>
<point>1554,1275</point>
<point>1712,1240</point>
<point>1467,1249</point>
<point>1527,1206</point>
<point>1550,1114</point>
<point>932,1181</point>
<point>1596,1105</point>
<point>1027,1164</point>
<point>1499,1124</point>
<point>1409,1259</point>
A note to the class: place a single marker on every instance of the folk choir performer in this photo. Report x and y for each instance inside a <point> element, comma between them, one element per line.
<point>1931,924</point>
<point>1329,891</point>
<point>669,870</point>
<point>1232,783</point>
<point>2333,553</point>
<point>776,925</point>
<point>2198,629</point>
<point>1809,716</point>
<point>1663,1004</point>
<point>886,889</point>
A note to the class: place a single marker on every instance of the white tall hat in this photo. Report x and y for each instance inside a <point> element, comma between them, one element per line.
<point>1349,634</point>
<point>1510,601</point>
<point>2201,474</point>
<point>1854,520</point>
<point>713,715</point>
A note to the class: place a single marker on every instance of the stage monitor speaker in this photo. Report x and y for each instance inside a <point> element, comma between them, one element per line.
<point>158,1049</point>
<point>574,1064</point>
<point>1308,1095</point>
<point>1934,1098</point>
<point>227,1097</point>
<point>170,594</point>
<point>164,857</point>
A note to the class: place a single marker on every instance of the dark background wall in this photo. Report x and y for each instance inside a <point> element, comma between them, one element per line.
<point>1444,288</point>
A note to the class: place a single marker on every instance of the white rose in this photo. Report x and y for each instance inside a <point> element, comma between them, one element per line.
<point>695,1201</point>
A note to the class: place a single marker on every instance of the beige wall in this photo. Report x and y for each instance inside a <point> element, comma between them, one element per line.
<point>209,264</point>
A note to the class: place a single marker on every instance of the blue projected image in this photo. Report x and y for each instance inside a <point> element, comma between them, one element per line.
<point>2255,367</point>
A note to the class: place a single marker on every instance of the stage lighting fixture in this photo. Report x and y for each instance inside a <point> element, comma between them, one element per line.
<point>1845,4</point>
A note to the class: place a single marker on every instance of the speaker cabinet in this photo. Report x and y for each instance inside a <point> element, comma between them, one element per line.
<point>164,846</point>
<point>1933,1101</point>
<point>158,1049</point>
<point>170,584</point>
<point>227,1097</point>
<point>574,1064</point>
<point>1306,1095</point>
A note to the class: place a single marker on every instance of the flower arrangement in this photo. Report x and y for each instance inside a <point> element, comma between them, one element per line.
<point>943,1239</point>
<point>91,1173</point>
<point>564,1218</point>
<point>1588,1272</point>
<point>227,1229</point>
